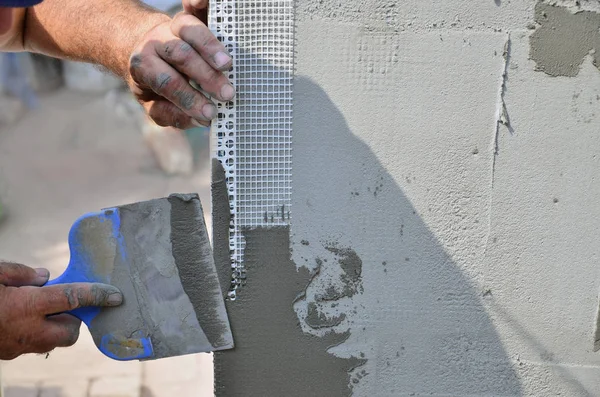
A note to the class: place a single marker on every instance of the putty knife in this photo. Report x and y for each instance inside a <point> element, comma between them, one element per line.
<point>158,254</point>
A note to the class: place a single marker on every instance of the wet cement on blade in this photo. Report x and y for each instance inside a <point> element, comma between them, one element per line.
<point>194,260</point>
<point>273,356</point>
<point>564,39</point>
<point>221,217</point>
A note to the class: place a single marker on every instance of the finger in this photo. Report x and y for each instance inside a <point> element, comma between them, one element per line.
<point>63,330</point>
<point>186,60</point>
<point>194,32</point>
<point>165,114</point>
<point>17,275</point>
<point>195,4</point>
<point>199,8</point>
<point>65,297</point>
<point>57,331</point>
<point>165,81</point>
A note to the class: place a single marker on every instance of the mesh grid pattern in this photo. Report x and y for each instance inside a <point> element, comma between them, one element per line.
<point>254,131</point>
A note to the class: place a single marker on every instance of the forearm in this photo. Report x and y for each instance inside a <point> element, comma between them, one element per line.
<point>103,32</point>
<point>156,55</point>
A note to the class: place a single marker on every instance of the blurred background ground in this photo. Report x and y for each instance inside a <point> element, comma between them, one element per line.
<point>82,150</point>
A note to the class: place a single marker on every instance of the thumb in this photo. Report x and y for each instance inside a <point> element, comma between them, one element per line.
<point>17,275</point>
<point>198,8</point>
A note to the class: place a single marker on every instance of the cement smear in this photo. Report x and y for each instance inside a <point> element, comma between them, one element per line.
<point>273,356</point>
<point>351,266</point>
<point>564,39</point>
<point>317,319</point>
<point>221,217</point>
<point>334,281</point>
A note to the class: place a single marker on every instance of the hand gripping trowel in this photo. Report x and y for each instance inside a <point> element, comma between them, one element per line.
<point>158,254</point>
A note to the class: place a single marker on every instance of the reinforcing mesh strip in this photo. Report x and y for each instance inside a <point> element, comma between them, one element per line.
<point>252,135</point>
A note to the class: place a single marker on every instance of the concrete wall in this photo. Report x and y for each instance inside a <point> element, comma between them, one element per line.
<point>446,164</point>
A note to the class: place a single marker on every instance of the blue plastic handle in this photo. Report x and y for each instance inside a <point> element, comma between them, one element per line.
<point>83,268</point>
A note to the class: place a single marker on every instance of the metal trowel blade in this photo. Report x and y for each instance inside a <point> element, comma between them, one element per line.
<point>158,254</point>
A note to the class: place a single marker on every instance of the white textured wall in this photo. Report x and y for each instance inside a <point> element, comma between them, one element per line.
<point>489,233</point>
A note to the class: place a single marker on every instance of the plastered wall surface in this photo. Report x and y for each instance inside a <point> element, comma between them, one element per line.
<point>445,194</point>
<point>445,221</point>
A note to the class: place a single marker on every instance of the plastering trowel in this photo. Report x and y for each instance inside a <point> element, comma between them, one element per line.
<point>158,254</point>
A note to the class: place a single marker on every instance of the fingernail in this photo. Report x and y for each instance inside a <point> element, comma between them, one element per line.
<point>209,111</point>
<point>114,299</point>
<point>221,59</point>
<point>198,124</point>
<point>227,92</point>
<point>43,274</point>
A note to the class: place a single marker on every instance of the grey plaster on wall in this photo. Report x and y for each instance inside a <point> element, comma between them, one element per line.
<point>576,5</point>
<point>416,123</point>
<point>273,356</point>
<point>395,139</point>
<point>416,318</point>
<point>269,316</point>
<point>564,39</point>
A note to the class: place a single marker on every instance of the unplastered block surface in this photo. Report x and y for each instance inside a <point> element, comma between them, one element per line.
<point>397,170</point>
<point>445,216</point>
<point>422,16</point>
<point>463,180</point>
<point>542,259</point>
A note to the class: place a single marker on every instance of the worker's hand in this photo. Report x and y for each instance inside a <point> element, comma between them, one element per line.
<point>199,8</point>
<point>28,323</point>
<point>168,57</point>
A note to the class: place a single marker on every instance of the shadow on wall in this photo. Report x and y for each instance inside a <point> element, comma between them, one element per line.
<point>420,322</point>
